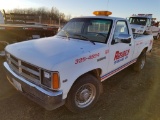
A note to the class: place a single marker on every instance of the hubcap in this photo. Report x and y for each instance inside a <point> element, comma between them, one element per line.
<point>85,95</point>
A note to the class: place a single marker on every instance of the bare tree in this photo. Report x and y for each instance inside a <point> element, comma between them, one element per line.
<point>47,15</point>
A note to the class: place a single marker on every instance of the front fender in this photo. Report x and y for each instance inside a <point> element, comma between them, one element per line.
<point>70,72</point>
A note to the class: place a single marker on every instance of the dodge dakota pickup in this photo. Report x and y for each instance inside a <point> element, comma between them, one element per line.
<point>68,68</point>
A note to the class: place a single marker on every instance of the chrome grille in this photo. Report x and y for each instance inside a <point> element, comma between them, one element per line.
<point>24,69</point>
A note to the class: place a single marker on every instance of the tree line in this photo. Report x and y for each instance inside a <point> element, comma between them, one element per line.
<point>47,16</point>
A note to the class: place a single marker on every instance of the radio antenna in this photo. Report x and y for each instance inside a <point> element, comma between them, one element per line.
<point>107,5</point>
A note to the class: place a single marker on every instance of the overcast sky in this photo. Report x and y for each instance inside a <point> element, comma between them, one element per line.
<point>119,8</point>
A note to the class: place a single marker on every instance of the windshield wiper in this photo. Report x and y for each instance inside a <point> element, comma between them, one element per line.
<point>85,38</point>
<point>66,33</point>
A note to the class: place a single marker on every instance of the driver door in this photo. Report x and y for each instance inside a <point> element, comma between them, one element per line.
<point>120,53</point>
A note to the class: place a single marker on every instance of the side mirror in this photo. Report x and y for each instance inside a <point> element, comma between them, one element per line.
<point>124,38</point>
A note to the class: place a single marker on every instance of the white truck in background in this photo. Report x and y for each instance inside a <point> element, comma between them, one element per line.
<point>144,24</point>
<point>69,68</point>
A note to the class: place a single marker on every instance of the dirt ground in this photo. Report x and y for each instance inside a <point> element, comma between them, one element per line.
<point>127,95</point>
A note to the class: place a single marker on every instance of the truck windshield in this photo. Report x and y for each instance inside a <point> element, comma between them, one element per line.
<point>92,29</point>
<point>138,20</point>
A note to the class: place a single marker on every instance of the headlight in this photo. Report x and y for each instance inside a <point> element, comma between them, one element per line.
<point>46,78</point>
<point>50,79</point>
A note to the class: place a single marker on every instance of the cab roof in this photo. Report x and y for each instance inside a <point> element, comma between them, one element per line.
<point>103,17</point>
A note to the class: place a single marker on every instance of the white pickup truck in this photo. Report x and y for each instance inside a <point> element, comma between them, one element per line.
<point>69,67</point>
<point>143,24</point>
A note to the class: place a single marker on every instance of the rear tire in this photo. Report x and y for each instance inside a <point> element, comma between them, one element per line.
<point>83,94</point>
<point>139,65</point>
<point>157,37</point>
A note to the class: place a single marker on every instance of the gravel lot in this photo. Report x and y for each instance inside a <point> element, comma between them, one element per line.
<point>127,95</point>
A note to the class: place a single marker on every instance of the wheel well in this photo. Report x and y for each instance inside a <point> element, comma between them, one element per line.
<point>96,73</point>
<point>145,49</point>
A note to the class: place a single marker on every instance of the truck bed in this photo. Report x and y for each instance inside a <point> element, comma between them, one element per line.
<point>135,36</point>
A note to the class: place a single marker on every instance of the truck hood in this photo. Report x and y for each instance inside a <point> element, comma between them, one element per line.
<point>48,52</point>
<point>138,28</point>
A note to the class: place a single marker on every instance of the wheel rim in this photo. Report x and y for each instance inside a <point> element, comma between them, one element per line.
<point>142,62</point>
<point>85,95</point>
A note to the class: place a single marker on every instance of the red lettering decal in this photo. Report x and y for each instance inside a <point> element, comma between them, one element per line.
<point>116,55</point>
<point>76,61</point>
<point>83,59</point>
<point>122,54</point>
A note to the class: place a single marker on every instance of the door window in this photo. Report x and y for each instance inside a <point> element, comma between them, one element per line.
<point>121,28</point>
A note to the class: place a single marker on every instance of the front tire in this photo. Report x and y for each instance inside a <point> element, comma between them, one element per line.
<point>139,65</point>
<point>84,94</point>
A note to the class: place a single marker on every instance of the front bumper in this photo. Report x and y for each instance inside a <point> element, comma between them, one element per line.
<point>46,98</point>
